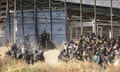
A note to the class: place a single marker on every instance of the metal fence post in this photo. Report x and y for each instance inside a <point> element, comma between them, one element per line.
<point>50,19</point>
<point>95,31</point>
<point>22,16</point>
<point>8,20</point>
<point>15,22</point>
<point>111,14</point>
<point>81,20</point>
<point>65,4</point>
<point>35,18</point>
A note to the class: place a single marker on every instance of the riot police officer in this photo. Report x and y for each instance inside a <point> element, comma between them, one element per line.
<point>44,39</point>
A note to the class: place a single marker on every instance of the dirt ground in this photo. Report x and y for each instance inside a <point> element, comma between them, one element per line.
<point>3,51</point>
<point>51,56</point>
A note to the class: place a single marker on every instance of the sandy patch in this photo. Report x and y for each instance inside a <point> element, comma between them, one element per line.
<point>51,57</point>
<point>3,50</point>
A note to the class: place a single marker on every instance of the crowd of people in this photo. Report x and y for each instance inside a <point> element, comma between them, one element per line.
<point>25,51</point>
<point>92,48</point>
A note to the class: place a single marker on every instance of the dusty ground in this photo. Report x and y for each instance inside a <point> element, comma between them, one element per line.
<point>51,57</point>
<point>52,64</point>
<point>2,51</point>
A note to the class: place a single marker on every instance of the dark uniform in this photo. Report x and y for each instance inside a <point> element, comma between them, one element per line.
<point>44,39</point>
<point>14,50</point>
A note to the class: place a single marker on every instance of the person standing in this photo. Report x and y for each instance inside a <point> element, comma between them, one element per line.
<point>44,39</point>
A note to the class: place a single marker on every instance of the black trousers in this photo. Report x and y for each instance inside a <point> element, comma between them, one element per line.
<point>29,59</point>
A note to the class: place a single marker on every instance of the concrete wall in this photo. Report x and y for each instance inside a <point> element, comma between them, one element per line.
<point>104,3</point>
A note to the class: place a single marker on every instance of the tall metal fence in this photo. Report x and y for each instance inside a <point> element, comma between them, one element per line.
<point>43,21</point>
